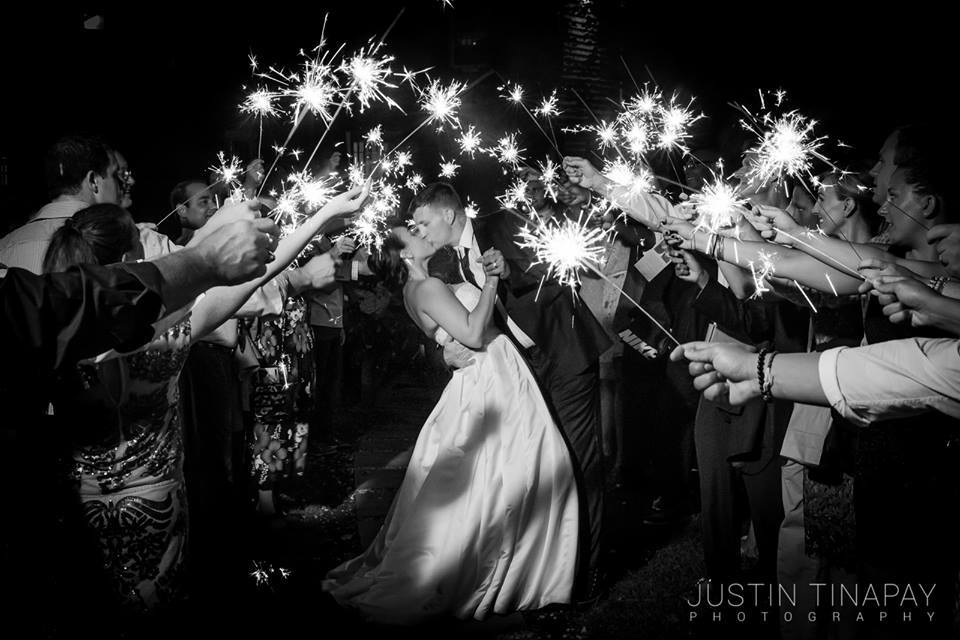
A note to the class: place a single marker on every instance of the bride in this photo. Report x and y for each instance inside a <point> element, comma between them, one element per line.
<point>485,521</point>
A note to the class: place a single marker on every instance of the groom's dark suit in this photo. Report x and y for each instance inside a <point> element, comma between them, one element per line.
<point>569,341</point>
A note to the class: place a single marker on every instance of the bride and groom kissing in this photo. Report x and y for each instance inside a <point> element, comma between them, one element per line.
<point>500,508</point>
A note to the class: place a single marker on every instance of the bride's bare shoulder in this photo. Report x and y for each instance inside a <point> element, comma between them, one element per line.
<point>428,287</point>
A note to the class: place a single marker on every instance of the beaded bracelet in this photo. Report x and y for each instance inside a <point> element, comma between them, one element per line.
<point>760,362</point>
<point>937,283</point>
<point>766,391</point>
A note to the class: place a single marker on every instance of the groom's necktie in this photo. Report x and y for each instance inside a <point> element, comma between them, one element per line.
<point>465,267</point>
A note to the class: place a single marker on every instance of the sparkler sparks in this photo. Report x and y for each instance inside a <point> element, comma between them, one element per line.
<point>227,172</point>
<point>548,108</point>
<point>786,149</point>
<point>515,197</point>
<point>370,76</point>
<point>471,209</point>
<point>566,248</point>
<point>514,94</point>
<point>448,169</point>
<point>442,104</point>
<point>374,137</point>
<point>717,205</point>
<point>761,272</point>
<point>469,142</point>
<point>259,103</point>
<point>622,174</point>
<point>507,151</point>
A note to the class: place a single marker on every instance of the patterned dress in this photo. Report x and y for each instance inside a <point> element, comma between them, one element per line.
<point>281,402</point>
<point>130,479</point>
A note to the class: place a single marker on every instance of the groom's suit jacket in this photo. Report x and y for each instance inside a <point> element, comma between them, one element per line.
<point>553,315</point>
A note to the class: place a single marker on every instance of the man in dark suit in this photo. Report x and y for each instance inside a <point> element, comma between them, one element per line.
<point>552,327</point>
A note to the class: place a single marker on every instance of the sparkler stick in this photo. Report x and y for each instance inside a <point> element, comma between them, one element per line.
<point>352,88</point>
<point>516,96</point>
<point>574,250</point>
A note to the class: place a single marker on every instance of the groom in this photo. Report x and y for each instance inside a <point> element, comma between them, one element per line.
<point>554,329</point>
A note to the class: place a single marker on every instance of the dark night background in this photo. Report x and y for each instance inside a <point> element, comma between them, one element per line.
<point>162,82</point>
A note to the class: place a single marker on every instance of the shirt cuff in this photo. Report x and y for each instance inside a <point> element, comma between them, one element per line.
<point>830,382</point>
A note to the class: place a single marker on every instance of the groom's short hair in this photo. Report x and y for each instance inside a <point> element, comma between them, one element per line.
<point>438,194</point>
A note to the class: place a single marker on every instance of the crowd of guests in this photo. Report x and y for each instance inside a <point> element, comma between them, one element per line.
<point>825,442</point>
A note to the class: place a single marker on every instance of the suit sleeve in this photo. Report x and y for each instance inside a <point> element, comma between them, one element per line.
<point>747,320</point>
<point>60,318</point>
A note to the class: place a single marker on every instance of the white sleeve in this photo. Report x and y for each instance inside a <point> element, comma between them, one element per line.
<point>892,379</point>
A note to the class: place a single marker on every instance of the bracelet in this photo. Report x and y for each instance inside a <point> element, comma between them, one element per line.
<point>766,392</point>
<point>711,244</point>
<point>937,283</point>
<point>718,249</point>
<point>760,359</point>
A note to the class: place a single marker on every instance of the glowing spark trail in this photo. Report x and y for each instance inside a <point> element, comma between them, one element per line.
<point>717,205</point>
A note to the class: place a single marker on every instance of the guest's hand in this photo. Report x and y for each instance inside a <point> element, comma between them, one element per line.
<point>494,264</point>
<point>774,224</point>
<point>872,268</point>
<point>572,196</point>
<point>723,371</point>
<point>240,250</point>
<point>678,227</point>
<point>346,202</point>
<point>946,238</point>
<point>904,300</point>
<point>345,245</point>
<point>457,356</point>
<point>582,173</point>
<point>688,268</point>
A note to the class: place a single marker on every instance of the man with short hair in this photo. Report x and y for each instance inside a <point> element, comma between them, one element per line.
<point>193,202</point>
<point>555,331</point>
<point>80,172</point>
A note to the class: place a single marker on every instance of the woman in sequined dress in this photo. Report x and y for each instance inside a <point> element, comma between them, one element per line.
<point>128,467</point>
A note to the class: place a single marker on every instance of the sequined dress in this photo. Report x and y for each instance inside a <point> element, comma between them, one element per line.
<point>131,480</point>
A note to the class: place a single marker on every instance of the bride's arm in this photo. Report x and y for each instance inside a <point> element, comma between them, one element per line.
<point>435,299</point>
<point>221,303</point>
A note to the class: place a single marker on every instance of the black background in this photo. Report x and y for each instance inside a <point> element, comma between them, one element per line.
<point>162,82</point>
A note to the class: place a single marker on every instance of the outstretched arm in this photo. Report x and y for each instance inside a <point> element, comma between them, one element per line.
<point>223,302</point>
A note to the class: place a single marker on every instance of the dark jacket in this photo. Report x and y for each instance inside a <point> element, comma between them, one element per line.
<point>553,315</point>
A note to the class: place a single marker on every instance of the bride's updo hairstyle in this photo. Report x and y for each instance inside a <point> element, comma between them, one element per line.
<point>385,263</point>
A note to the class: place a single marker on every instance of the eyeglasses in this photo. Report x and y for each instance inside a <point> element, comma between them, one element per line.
<point>124,176</point>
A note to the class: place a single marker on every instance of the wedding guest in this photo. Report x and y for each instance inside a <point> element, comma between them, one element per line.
<point>79,171</point>
<point>50,323</point>
<point>129,456</point>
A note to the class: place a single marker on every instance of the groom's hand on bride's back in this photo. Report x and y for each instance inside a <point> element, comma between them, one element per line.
<point>457,356</point>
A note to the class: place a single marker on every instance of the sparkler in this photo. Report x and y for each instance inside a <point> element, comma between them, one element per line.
<point>506,151</point>
<point>260,104</point>
<point>471,209</point>
<point>718,206</point>
<point>571,246</point>
<point>547,108</point>
<point>448,169</point>
<point>760,275</point>
<point>370,76</point>
<point>441,103</point>
<point>469,142</point>
<point>621,173</point>
<point>228,170</point>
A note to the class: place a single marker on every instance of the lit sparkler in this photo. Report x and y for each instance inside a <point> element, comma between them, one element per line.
<point>565,248</point>
<point>448,169</point>
<point>761,272</point>
<point>370,76</point>
<point>718,205</point>
<point>469,142</point>
<point>441,103</point>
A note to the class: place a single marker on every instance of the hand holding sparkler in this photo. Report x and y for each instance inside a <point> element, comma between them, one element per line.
<point>774,225</point>
<point>723,371</point>
<point>346,202</point>
<point>873,268</point>
<point>583,174</point>
<point>688,268</point>
<point>906,301</point>
<point>344,246</point>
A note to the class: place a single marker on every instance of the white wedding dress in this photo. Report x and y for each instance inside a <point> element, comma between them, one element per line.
<point>485,521</point>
